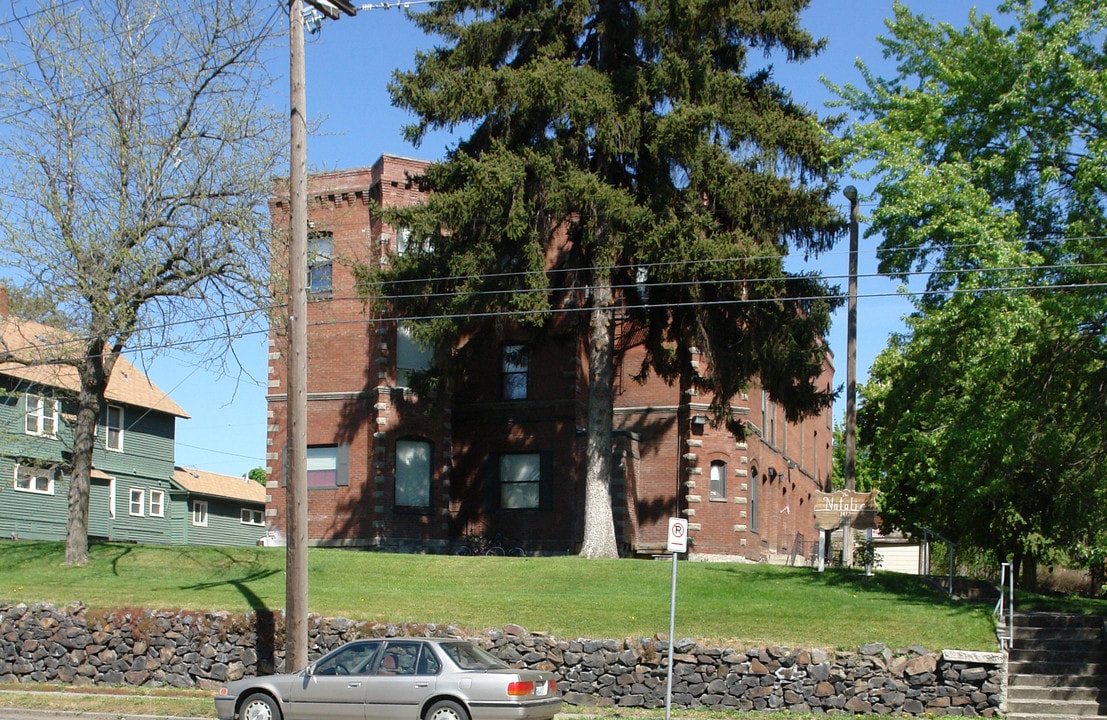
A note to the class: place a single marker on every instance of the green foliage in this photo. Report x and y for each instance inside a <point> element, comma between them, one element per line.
<point>257,475</point>
<point>988,417</point>
<point>567,596</point>
<point>865,555</point>
<point>863,468</point>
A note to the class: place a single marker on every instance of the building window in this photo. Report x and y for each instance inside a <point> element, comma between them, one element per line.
<point>322,466</point>
<point>138,502</point>
<point>413,473</point>
<point>520,475</point>
<point>755,486</point>
<point>40,415</point>
<point>718,480</point>
<point>113,425</point>
<point>200,513</point>
<point>34,480</point>
<point>157,503</point>
<point>411,355</point>
<point>320,252</point>
<point>514,367</point>
<point>253,516</point>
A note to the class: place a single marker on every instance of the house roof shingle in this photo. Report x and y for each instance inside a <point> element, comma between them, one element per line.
<point>45,347</point>
<point>202,482</point>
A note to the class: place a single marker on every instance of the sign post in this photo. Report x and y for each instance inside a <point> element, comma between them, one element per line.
<point>676,544</point>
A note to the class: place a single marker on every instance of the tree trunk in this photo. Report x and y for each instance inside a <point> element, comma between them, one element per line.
<point>94,373</point>
<point>599,522</point>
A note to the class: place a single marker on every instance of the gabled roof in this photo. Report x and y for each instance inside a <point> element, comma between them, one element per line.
<point>46,346</point>
<point>201,482</point>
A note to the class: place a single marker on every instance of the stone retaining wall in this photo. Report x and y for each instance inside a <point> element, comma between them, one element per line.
<point>43,644</point>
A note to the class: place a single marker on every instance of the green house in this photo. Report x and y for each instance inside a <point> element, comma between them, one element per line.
<point>133,494</point>
<point>220,509</point>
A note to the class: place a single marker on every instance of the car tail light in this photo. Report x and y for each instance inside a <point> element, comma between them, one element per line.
<point>520,687</point>
<point>553,686</point>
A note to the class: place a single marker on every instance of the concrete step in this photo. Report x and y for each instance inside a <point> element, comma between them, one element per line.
<point>1056,620</point>
<point>1051,709</point>
<point>1021,653</point>
<point>1052,634</point>
<point>1037,693</point>
<point>1055,681</point>
<point>1040,667</point>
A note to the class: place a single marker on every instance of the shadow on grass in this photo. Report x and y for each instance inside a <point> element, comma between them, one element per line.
<point>17,554</point>
<point>900,587</point>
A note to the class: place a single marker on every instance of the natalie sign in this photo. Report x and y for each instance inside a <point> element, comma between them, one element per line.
<point>845,507</point>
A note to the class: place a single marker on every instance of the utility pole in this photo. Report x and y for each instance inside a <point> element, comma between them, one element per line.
<point>851,368</point>
<point>296,560</point>
<point>851,345</point>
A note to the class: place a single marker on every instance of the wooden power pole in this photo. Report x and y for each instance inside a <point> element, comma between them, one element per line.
<point>296,569</point>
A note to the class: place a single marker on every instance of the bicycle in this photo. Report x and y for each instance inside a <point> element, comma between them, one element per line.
<point>474,545</point>
<point>502,546</point>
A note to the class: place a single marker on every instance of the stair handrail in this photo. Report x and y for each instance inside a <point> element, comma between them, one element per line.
<point>1005,606</point>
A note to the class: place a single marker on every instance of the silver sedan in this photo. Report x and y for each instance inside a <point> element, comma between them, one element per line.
<point>396,679</point>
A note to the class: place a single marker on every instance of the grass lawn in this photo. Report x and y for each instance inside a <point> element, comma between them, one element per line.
<point>569,597</point>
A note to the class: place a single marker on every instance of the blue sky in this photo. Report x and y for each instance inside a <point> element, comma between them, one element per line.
<point>348,67</point>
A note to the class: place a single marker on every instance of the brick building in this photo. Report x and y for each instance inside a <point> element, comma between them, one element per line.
<point>507,454</point>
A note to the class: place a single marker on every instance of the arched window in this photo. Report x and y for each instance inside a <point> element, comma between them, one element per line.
<point>755,485</point>
<point>718,480</point>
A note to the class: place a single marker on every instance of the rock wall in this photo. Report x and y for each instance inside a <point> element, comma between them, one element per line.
<point>43,643</point>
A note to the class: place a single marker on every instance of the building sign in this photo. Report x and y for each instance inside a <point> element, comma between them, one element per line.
<point>845,507</point>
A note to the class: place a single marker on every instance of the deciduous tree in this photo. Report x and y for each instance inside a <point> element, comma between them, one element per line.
<point>136,154</point>
<point>987,419</point>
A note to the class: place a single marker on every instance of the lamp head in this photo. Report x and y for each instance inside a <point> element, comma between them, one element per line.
<point>850,192</point>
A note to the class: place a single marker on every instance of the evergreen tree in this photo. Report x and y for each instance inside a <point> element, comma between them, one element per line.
<point>622,155</point>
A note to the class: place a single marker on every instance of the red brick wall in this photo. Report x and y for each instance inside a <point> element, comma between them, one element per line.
<point>662,459</point>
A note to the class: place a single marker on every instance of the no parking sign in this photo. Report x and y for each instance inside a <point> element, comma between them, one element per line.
<point>678,535</point>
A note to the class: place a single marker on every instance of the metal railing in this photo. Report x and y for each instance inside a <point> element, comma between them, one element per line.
<point>1004,611</point>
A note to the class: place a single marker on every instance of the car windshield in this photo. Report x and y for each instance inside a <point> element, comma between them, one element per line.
<point>468,656</point>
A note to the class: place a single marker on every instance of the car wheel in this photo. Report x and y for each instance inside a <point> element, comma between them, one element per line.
<point>446,710</point>
<point>259,706</point>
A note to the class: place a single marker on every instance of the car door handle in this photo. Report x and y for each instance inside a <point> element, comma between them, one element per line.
<point>422,683</point>
<point>353,684</point>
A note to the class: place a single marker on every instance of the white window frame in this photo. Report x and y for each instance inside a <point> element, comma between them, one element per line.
<point>157,503</point>
<point>200,513</point>
<point>252,516</point>
<point>40,415</point>
<point>717,481</point>
<point>113,433</point>
<point>26,480</point>
<point>137,503</point>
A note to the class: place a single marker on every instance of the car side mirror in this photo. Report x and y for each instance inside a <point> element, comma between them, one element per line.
<point>309,670</point>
